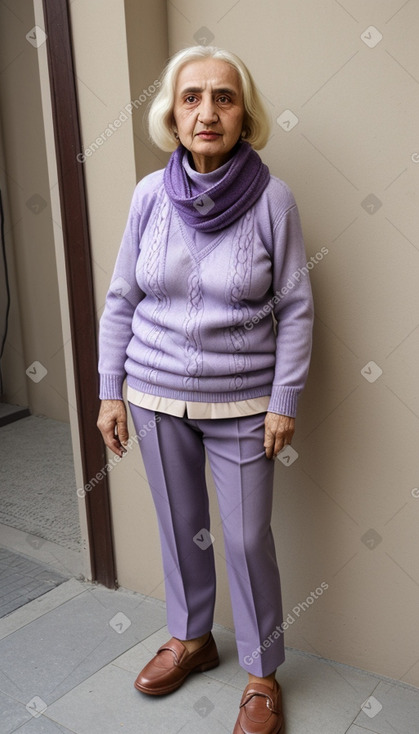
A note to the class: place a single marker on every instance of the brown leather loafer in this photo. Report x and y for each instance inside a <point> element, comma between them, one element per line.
<point>260,710</point>
<point>172,664</point>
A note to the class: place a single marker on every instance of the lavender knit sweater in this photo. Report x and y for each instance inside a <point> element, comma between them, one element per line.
<point>189,314</point>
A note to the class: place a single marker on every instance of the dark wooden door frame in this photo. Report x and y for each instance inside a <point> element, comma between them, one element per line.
<point>80,285</point>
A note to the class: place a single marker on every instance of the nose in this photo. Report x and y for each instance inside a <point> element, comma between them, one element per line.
<point>207,111</point>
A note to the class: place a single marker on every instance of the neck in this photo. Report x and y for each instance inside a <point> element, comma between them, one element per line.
<point>205,164</point>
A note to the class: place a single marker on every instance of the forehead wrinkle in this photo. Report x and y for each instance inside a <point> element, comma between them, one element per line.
<point>216,90</point>
<point>200,74</point>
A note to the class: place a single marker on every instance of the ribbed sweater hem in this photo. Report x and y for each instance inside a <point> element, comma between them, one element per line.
<point>199,397</point>
<point>283,399</point>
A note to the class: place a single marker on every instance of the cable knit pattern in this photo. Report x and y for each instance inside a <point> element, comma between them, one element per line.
<point>193,345</point>
<point>195,320</point>
<point>154,277</point>
<point>238,282</point>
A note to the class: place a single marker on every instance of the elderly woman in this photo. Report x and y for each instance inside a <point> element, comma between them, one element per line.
<point>209,319</point>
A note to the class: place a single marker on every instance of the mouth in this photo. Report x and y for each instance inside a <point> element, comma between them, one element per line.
<point>208,135</point>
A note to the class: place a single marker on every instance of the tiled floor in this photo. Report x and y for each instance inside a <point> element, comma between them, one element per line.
<point>68,661</point>
<point>23,579</point>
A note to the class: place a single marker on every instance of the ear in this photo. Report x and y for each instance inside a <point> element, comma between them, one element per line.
<point>173,124</point>
<point>246,130</point>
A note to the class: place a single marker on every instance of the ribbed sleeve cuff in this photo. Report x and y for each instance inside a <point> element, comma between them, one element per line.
<point>111,387</point>
<point>284,400</point>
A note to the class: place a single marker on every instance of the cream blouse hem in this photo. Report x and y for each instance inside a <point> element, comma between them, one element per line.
<point>197,410</point>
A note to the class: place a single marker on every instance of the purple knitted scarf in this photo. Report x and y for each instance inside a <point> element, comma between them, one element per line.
<point>224,202</point>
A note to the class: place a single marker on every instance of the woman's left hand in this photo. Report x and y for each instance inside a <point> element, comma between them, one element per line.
<point>279,430</point>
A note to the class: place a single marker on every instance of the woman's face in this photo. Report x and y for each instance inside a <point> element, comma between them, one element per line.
<point>208,111</point>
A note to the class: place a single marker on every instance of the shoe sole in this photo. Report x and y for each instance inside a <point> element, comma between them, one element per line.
<point>278,731</point>
<point>169,689</point>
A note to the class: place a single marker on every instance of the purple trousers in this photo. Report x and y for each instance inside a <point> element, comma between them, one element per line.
<point>173,451</point>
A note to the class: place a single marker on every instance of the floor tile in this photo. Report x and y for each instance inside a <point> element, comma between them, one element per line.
<point>58,650</point>
<point>108,703</point>
<point>13,714</point>
<point>393,709</point>
<point>23,579</point>
<point>42,725</point>
<point>40,606</point>
<point>321,697</point>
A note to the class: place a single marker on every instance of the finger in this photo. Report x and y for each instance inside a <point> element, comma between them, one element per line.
<point>269,452</point>
<point>111,438</point>
<point>116,447</point>
<point>116,444</point>
<point>112,441</point>
<point>269,444</point>
<point>122,431</point>
<point>279,444</point>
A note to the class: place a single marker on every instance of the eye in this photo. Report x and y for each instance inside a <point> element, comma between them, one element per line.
<point>190,99</point>
<point>224,99</point>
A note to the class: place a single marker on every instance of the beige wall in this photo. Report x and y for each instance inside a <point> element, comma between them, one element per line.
<point>345,513</point>
<point>148,49</point>
<point>35,336</point>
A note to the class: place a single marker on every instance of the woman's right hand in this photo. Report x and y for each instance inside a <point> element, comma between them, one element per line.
<point>112,423</point>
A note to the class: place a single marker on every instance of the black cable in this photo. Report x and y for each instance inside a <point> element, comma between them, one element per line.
<point>6,275</point>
